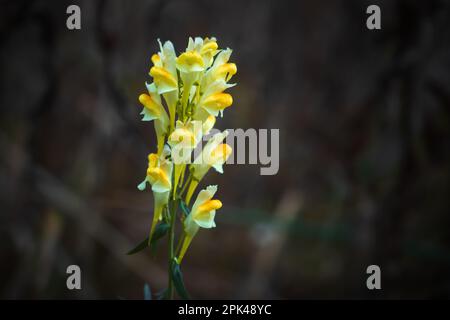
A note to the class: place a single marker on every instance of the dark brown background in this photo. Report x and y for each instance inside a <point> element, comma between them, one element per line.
<point>364,149</point>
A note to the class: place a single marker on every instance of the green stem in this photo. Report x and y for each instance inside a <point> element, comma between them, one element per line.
<point>171,252</point>
<point>173,215</point>
<point>186,184</point>
<point>185,98</point>
<point>180,242</point>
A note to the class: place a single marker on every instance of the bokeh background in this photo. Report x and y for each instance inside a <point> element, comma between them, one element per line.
<point>364,149</point>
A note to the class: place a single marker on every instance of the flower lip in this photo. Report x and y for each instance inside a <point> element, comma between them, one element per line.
<point>162,75</point>
<point>221,153</point>
<point>218,101</point>
<point>156,59</point>
<point>190,61</point>
<point>227,69</point>
<point>148,103</point>
<point>152,160</point>
<point>158,175</point>
<point>182,135</point>
<point>209,47</point>
<point>209,205</point>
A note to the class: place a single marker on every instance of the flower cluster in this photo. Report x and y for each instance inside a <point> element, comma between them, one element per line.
<point>185,98</point>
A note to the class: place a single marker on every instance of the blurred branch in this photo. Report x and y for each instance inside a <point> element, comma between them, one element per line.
<point>61,197</point>
<point>270,245</point>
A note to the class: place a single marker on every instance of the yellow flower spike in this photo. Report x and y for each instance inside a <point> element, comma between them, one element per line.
<point>163,79</point>
<point>193,87</point>
<point>202,216</point>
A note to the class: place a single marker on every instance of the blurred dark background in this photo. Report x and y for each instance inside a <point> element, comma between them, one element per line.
<point>364,149</point>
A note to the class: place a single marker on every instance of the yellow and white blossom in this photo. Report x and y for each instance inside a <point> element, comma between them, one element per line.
<point>214,154</point>
<point>165,77</point>
<point>164,71</point>
<point>220,70</point>
<point>214,100</point>
<point>183,140</point>
<point>201,216</point>
<point>159,175</point>
<point>154,110</point>
<point>207,48</point>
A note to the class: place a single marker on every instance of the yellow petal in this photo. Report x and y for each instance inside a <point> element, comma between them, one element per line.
<point>221,153</point>
<point>158,175</point>
<point>218,101</point>
<point>209,205</point>
<point>163,80</point>
<point>156,59</point>
<point>152,160</point>
<point>150,105</point>
<point>209,47</point>
<point>227,69</point>
<point>190,61</point>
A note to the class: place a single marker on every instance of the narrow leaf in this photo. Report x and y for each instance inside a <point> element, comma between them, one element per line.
<point>160,231</point>
<point>141,246</point>
<point>178,282</point>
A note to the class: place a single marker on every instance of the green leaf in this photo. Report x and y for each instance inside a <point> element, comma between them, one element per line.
<point>141,246</point>
<point>177,278</point>
<point>160,230</point>
<point>184,208</point>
